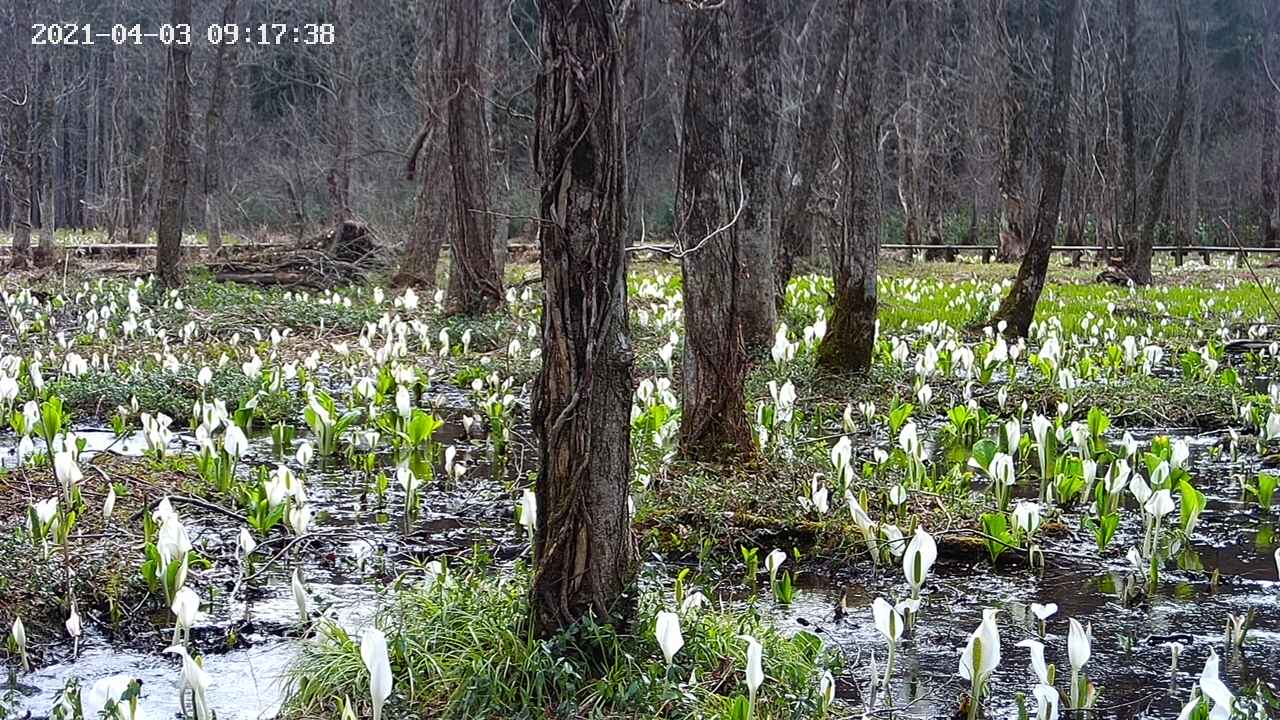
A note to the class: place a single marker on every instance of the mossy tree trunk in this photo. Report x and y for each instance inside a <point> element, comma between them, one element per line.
<point>850,340</point>
<point>1019,307</point>
<point>713,421</point>
<point>176,170</point>
<point>474,285</point>
<point>582,400</point>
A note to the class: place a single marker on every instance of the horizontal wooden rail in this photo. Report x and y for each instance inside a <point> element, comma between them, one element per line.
<point>1189,249</point>
<point>144,248</point>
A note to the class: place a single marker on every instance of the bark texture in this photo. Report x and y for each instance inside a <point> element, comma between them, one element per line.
<point>213,136</point>
<point>1013,131</point>
<point>421,253</point>
<point>18,119</point>
<point>176,170</point>
<point>813,147</point>
<point>851,333</point>
<point>474,285</point>
<point>1137,261</point>
<point>1019,306</point>
<point>759,42</point>
<point>713,422</point>
<point>582,401</point>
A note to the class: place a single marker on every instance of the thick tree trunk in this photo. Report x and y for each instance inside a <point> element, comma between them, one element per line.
<point>759,40</point>
<point>850,340</point>
<point>1137,263</point>
<point>713,422</point>
<point>582,400</point>
<point>474,285</point>
<point>177,156</point>
<point>1019,306</point>
<point>813,146</point>
<point>212,136</point>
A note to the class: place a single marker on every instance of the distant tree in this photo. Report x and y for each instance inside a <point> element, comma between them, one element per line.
<point>709,201</point>
<point>1018,307</point>
<point>582,399</point>
<point>758,34</point>
<point>212,178</point>
<point>18,104</point>
<point>1138,250</point>
<point>1009,18</point>
<point>812,153</point>
<point>850,339</point>
<point>474,284</point>
<point>177,155</point>
<point>342,115</point>
<point>421,253</point>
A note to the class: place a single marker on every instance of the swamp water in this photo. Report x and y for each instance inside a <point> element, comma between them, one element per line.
<point>358,550</point>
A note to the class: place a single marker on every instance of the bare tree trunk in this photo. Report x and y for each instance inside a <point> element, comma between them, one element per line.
<point>1138,252</point>
<point>177,156</point>
<point>1128,121</point>
<point>1012,238</point>
<point>759,40</point>
<point>45,152</point>
<point>813,143</point>
<point>212,137</point>
<point>421,254</point>
<point>48,217</point>
<point>135,153</point>
<point>582,400</point>
<point>474,285</point>
<point>338,176</point>
<point>19,135</point>
<point>850,340</point>
<point>1194,160</point>
<point>713,423</point>
<point>1019,306</point>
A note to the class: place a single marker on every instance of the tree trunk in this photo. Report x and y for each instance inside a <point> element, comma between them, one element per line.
<point>343,112</point>
<point>1012,237</point>
<point>212,137</point>
<point>177,156</point>
<point>135,153</point>
<point>1138,252</point>
<point>474,285</point>
<point>1019,306</point>
<point>1128,121</point>
<point>19,136</point>
<point>759,40</point>
<point>850,340</point>
<point>713,423</point>
<point>1269,212</point>
<point>813,144</point>
<point>421,254</point>
<point>1194,160</point>
<point>582,400</point>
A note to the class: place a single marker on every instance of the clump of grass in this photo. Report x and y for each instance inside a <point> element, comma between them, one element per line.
<point>460,649</point>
